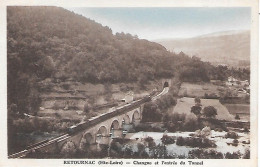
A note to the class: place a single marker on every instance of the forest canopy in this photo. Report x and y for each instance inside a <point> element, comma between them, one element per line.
<point>51,42</point>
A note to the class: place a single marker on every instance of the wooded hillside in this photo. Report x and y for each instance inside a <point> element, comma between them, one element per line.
<point>51,42</point>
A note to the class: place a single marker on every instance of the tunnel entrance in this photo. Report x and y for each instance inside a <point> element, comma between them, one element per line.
<point>166,84</point>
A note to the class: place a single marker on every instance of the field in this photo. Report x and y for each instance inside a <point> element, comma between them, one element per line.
<point>184,106</point>
<point>243,110</point>
<point>199,90</point>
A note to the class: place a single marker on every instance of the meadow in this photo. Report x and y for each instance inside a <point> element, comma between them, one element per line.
<point>243,110</point>
<point>199,89</point>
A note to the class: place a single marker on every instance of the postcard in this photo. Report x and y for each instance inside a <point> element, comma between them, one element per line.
<point>132,83</point>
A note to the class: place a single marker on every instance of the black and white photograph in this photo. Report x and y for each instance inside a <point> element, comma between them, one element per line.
<point>133,83</point>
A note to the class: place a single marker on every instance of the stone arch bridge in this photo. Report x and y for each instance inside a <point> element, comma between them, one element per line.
<point>95,133</point>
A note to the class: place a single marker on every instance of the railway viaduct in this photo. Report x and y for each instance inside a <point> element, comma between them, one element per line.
<point>95,133</point>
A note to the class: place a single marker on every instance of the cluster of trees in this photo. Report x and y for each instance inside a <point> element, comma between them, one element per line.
<point>223,72</point>
<point>213,154</point>
<point>195,142</point>
<point>208,112</point>
<point>147,149</point>
<point>186,122</point>
<point>180,122</point>
<point>155,111</point>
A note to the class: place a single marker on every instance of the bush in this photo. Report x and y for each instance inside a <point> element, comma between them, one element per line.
<point>201,154</point>
<point>65,86</point>
<point>237,117</point>
<point>234,155</point>
<point>195,110</point>
<point>180,122</point>
<point>210,112</point>
<point>180,141</point>
<point>218,130</point>
<point>245,129</point>
<point>127,151</point>
<point>148,127</point>
<point>177,117</point>
<point>68,149</point>
<point>195,142</point>
<point>197,100</point>
<point>150,141</point>
<point>36,124</point>
<point>158,151</point>
<point>232,135</point>
<point>213,154</point>
<point>235,142</point>
<point>151,113</point>
<point>191,122</point>
<point>115,149</point>
<point>57,115</point>
<point>212,123</point>
<point>171,127</point>
<point>154,111</point>
<point>167,140</point>
<point>86,108</point>
<point>210,96</point>
<point>247,154</point>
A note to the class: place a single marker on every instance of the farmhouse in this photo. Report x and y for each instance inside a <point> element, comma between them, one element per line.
<point>232,81</point>
<point>129,97</point>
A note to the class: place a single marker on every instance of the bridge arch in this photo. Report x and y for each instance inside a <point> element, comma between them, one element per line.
<point>115,125</point>
<point>115,129</point>
<point>86,141</point>
<point>102,135</point>
<point>126,124</point>
<point>126,119</point>
<point>136,116</point>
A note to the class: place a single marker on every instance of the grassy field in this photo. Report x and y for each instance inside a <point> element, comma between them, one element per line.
<point>184,106</point>
<point>243,110</point>
<point>198,90</point>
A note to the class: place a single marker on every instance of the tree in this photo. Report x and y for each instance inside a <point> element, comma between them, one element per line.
<point>237,116</point>
<point>210,112</point>
<point>142,81</point>
<point>196,110</point>
<point>190,122</point>
<point>86,108</point>
<point>13,109</point>
<point>34,101</point>
<point>197,101</point>
<point>167,140</point>
<point>68,149</point>
<point>150,141</point>
<point>151,113</point>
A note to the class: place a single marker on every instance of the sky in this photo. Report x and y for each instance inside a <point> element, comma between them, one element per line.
<point>167,23</point>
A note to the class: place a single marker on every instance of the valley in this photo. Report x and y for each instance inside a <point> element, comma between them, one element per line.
<point>76,89</point>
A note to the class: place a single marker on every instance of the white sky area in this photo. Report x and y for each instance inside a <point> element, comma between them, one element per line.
<point>167,23</point>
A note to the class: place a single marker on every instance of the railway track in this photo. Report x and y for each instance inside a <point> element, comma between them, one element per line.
<point>87,124</point>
